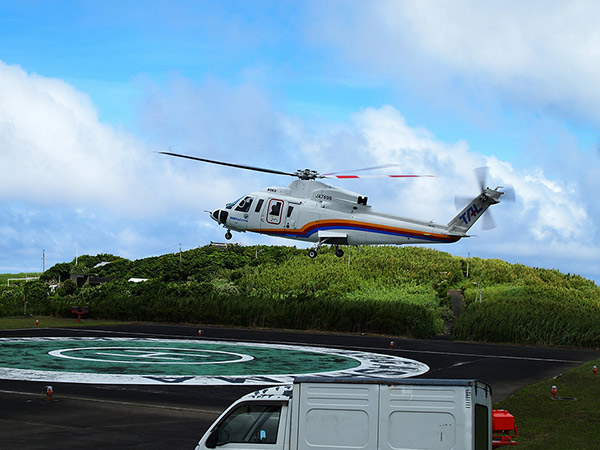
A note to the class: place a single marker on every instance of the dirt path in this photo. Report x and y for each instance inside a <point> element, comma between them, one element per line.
<point>458,306</point>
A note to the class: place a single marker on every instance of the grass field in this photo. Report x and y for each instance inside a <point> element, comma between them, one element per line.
<point>11,323</point>
<point>544,423</point>
<point>5,276</point>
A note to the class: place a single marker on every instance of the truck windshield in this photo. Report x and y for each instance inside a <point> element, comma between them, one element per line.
<point>250,423</point>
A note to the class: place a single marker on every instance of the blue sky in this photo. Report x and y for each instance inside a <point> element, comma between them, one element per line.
<point>90,90</point>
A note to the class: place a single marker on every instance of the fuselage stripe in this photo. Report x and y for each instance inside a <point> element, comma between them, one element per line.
<point>313,227</point>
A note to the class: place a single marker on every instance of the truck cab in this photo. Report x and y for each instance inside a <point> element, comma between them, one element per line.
<point>319,413</point>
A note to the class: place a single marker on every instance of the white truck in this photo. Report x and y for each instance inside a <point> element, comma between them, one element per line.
<point>318,413</point>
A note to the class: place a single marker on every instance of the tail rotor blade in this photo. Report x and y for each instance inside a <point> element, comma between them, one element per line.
<point>481,173</point>
<point>509,194</point>
<point>461,201</point>
<point>488,221</point>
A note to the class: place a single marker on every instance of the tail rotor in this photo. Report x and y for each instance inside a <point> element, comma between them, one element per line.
<point>472,209</point>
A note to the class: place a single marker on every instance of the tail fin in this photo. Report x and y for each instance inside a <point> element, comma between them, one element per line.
<point>473,211</point>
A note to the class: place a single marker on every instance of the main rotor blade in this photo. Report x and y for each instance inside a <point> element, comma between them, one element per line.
<point>237,166</point>
<point>374,176</point>
<point>383,166</point>
<point>341,175</point>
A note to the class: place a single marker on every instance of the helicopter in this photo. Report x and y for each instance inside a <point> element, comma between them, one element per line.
<point>312,211</point>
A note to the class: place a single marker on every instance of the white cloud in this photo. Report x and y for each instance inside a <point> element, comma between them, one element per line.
<point>81,184</point>
<point>549,215</point>
<point>530,53</point>
<point>70,181</point>
<point>55,151</point>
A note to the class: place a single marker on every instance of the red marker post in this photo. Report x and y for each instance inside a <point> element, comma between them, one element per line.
<point>79,313</point>
<point>48,390</point>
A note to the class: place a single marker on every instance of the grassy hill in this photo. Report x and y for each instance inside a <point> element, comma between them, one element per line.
<point>388,290</point>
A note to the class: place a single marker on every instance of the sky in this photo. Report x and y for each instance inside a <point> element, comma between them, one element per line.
<point>90,91</point>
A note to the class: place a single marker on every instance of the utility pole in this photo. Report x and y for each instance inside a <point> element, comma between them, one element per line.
<point>468,258</point>
<point>180,252</point>
<point>43,260</point>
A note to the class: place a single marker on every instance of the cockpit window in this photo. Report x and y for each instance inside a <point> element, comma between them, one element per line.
<point>244,204</point>
<point>230,205</point>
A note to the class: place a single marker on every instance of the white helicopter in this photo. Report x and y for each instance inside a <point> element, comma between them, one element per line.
<point>310,210</point>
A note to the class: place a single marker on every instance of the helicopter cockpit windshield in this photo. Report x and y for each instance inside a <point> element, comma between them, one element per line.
<point>241,204</point>
<point>231,205</point>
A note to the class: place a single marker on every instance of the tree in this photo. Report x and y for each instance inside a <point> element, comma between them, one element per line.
<point>68,288</point>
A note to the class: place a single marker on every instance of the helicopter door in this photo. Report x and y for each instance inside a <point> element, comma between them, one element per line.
<point>274,211</point>
<point>291,214</point>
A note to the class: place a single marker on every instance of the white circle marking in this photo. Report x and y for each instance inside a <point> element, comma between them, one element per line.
<point>168,355</point>
<point>371,364</point>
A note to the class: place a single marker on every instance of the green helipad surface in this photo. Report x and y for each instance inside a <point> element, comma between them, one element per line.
<point>150,361</point>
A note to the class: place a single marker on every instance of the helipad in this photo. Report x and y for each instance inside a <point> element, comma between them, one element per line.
<point>180,361</point>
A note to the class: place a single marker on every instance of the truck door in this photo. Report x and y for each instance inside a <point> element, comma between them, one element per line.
<point>337,416</point>
<point>424,417</point>
<point>251,425</point>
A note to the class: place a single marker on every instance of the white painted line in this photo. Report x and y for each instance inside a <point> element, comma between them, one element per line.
<point>397,350</point>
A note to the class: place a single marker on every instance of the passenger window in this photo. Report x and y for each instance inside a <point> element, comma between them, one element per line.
<point>290,209</point>
<point>259,205</point>
<point>275,208</point>
<point>274,211</point>
<point>244,205</point>
<point>250,423</point>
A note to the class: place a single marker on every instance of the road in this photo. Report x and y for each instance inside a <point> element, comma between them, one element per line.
<point>84,416</point>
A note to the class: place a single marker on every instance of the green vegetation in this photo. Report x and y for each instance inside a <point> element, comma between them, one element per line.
<point>530,306</point>
<point>4,277</point>
<point>386,290</point>
<point>544,423</point>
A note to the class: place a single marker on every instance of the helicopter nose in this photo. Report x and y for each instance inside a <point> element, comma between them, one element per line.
<point>220,216</point>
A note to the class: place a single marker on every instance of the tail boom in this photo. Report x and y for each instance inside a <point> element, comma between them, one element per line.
<point>467,217</point>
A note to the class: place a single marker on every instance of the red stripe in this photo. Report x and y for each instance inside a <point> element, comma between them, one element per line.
<point>404,176</point>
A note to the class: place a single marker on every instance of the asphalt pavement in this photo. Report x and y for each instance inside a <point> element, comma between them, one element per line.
<point>85,416</point>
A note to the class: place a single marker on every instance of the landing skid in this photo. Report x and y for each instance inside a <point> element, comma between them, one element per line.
<point>313,252</point>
